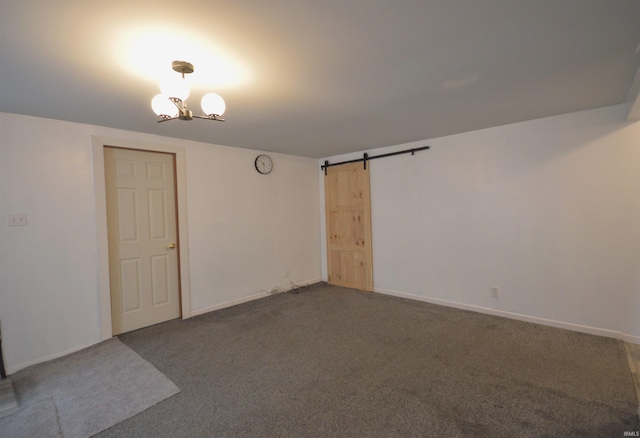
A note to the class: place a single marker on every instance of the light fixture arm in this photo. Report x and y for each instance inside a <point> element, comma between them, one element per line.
<point>183,112</point>
<point>215,117</point>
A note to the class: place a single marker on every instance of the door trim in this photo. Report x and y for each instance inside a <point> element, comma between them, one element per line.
<point>98,144</point>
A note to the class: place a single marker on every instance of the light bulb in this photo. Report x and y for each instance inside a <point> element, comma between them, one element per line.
<point>175,87</point>
<point>162,106</point>
<point>212,104</point>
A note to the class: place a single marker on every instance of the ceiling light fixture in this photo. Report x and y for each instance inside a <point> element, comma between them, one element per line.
<point>171,103</point>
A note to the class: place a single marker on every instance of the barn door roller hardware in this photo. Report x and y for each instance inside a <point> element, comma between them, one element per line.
<point>366,158</point>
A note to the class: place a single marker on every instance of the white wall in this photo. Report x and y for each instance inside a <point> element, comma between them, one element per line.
<point>547,210</point>
<point>243,230</point>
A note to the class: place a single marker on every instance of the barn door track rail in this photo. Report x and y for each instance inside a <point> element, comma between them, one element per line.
<point>366,158</point>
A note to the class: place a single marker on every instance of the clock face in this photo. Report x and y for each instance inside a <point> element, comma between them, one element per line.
<point>264,164</point>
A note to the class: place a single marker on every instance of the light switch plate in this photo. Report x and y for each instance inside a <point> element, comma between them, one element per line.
<point>17,219</point>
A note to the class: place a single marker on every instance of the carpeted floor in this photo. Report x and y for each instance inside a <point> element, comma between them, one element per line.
<point>79,395</point>
<point>334,362</point>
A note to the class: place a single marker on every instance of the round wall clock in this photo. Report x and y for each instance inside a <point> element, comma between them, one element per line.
<point>264,164</point>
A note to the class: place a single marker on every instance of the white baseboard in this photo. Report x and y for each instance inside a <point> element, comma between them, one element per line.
<point>15,368</point>
<point>231,303</point>
<point>631,339</point>
<point>252,297</point>
<point>518,316</point>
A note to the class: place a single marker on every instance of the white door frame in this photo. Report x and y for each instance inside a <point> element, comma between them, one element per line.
<point>98,143</point>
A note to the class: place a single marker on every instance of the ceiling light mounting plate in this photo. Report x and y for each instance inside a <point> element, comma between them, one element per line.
<point>183,67</point>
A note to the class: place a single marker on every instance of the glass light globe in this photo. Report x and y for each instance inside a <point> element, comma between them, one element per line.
<point>212,103</point>
<point>175,87</point>
<point>162,106</point>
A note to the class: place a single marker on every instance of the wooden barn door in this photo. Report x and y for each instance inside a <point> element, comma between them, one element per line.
<point>348,217</point>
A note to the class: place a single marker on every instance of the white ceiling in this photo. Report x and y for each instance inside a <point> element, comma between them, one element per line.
<point>319,78</point>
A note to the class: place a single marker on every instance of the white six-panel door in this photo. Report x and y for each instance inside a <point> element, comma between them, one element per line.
<point>141,221</point>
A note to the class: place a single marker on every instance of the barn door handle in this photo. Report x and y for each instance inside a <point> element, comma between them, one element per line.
<point>171,245</point>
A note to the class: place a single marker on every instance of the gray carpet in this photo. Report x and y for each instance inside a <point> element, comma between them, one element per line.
<point>39,419</point>
<point>84,393</point>
<point>333,362</point>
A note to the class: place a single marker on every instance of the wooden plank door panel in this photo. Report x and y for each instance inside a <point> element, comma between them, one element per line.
<point>348,218</point>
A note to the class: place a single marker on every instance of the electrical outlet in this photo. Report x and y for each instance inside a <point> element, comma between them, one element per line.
<point>286,272</point>
<point>17,219</point>
<point>495,292</point>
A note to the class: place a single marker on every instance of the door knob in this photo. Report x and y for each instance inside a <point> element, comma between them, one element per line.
<point>171,245</point>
